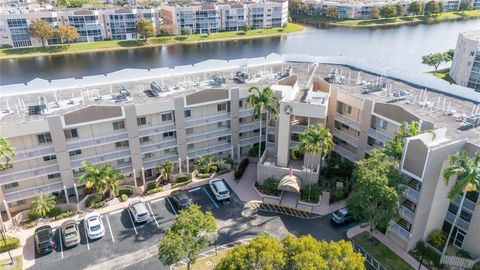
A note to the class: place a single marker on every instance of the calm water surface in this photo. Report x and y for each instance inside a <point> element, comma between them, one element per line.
<point>399,47</point>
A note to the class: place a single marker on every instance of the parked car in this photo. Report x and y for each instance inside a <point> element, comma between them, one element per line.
<point>44,242</point>
<point>138,210</point>
<point>181,199</point>
<point>94,226</point>
<point>70,233</point>
<point>342,216</point>
<point>219,189</point>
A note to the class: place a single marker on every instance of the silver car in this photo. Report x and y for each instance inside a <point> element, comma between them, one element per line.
<point>70,233</point>
<point>138,210</point>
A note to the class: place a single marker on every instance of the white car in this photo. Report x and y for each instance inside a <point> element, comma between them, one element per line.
<point>139,211</point>
<point>94,225</point>
<point>219,189</point>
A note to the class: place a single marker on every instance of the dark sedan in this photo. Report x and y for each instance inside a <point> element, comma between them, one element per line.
<point>44,242</point>
<point>181,199</point>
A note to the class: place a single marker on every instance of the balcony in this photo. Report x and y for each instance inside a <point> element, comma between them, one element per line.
<point>77,163</point>
<point>32,192</point>
<point>411,194</point>
<point>249,141</point>
<point>345,153</point>
<point>245,112</point>
<point>210,150</point>
<point>460,222</point>
<point>26,174</point>
<point>156,129</point>
<point>200,121</point>
<point>126,170</point>
<point>406,213</point>
<point>149,148</point>
<point>369,148</point>
<point>380,135</point>
<point>347,121</point>
<point>399,230</point>
<point>272,130</point>
<point>297,128</point>
<point>345,137</point>
<point>152,163</point>
<point>209,135</point>
<point>94,141</point>
<point>250,126</point>
<point>34,153</point>
<point>467,204</point>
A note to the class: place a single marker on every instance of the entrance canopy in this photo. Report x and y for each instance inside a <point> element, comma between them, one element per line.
<point>290,183</point>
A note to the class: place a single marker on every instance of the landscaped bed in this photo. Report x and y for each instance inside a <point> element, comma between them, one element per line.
<point>18,265</point>
<point>207,263</point>
<point>269,187</point>
<point>380,252</point>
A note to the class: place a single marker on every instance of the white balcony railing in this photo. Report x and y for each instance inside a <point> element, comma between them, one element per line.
<point>345,137</point>
<point>200,121</point>
<point>467,204</point>
<point>209,135</point>
<point>248,141</point>
<point>406,213</point>
<point>77,163</point>
<point>460,222</point>
<point>209,150</point>
<point>149,164</point>
<point>347,121</point>
<point>95,141</point>
<point>26,174</point>
<point>245,112</point>
<point>379,135</point>
<point>34,153</point>
<point>411,194</point>
<point>399,230</point>
<point>32,192</point>
<point>249,126</point>
<point>152,147</point>
<point>156,129</point>
<point>297,128</point>
<point>369,148</point>
<point>345,153</point>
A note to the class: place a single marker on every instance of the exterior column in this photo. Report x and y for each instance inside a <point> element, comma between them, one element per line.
<point>134,177</point>
<point>181,133</point>
<point>76,191</point>
<point>238,151</point>
<point>234,121</point>
<point>231,150</point>
<point>7,209</point>
<point>143,176</point>
<point>180,165</point>
<point>133,136</point>
<point>188,165</point>
<point>66,194</point>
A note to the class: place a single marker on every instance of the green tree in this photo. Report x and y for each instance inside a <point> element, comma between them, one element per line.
<point>467,172</point>
<point>68,33</point>
<point>399,9</point>
<point>7,153</point>
<point>191,232</point>
<point>145,28</point>
<point>187,31</point>
<point>262,100</point>
<point>202,164</point>
<point>449,54</point>
<point>376,191</point>
<point>394,147</point>
<point>40,29</point>
<point>434,59</point>
<point>431,8</point>
<point>43,204</point>
<point>415,8</point>
<point>104,179</point>
<point>71,3</point>
<point>332,12</point>
<point>375,13</point>
<point>388,11</point>
<point>465,5</point>
<point>167,29</point>
<point>165,170</point>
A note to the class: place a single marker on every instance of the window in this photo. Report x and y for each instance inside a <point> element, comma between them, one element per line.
<point>472,53</point>
<point>222,139</point>
<point>121,144</point>
<point>141,121</point>
<point>189,130</point>
<point>345,126</point>
<point>168,151</point>
<point>79,170</point>
<point>168,134</point>
<point>71,133</point>
<point>11,185</point>
<point>222,107</point>
<point>44,138</point>
<point>53,175</point>
<point>75,152</point>
<point>167,117</point>
<point>382,123</point>
<point>240,103</point>
<point>148,173</point>
<point>188,113</point>
<point>190,146</point>
<point>118,125</point>
<point>147,155</point>
<point>144,139</point>
<point>47,158</point>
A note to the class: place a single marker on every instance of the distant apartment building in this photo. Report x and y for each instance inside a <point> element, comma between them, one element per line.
<point>465,69</point>
<point>205,18</point>
<point>92,24</point>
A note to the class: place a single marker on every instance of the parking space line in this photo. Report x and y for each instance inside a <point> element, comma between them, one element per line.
<point>116,212</point>
<point>151,212</point>
<point>211,199</point>
<point>61,246</point>
<point>86,235</point>
<point>110,228</point>
<point>195,189</point>
<point>157,200</point>
<point>173,208</point>
<point>133,223</point>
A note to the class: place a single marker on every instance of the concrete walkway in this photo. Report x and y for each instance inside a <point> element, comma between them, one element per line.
<point>389,243</point>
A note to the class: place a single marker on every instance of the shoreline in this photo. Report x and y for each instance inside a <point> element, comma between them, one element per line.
<point>171,40</point>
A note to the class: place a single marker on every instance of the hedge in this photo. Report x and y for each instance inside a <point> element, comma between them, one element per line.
<point>94,199</point>
<point>150,185</point>
<point>12,243</point>
<point>60,215</point>
<point>241,168</point>
<point>229,161</point>
<point>310,193</point>
<point>203,175</point>
<point>182,178</point>
<point>153,190</point>
<point>181,183</point>
<point>270,187</point>
<point>125,190</point>
<point>338,196</point>
<point>99,204</point>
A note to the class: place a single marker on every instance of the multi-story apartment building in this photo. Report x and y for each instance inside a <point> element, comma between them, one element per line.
<point>209,18</point>
<point>91,24</point>
<point>465,69</point>
<point>193,116</point>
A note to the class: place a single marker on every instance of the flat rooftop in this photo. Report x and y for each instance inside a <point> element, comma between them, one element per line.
<point>473,35</point>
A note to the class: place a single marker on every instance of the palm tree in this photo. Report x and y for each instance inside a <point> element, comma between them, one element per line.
<point>202,164</point>
<point>165,170</point>
<point>467,171</point>
<point>314,140</point>
<point>263,100</point>
<point>113,178</point>
<point>7,153</point>
<point>394,147</point>
<point>103,179</point>
<point>43,204</point>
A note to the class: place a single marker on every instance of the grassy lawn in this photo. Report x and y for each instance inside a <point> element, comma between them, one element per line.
<point>155,41</point>
<point>17,266</point>
<point>391,21</point>
<point>382,253</point>
<point>443,74</point>
<point>207,263</point>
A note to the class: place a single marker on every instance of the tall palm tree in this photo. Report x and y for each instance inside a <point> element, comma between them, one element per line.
<point>102,179</point>
<point>262,100</point>
<point>467,172</point>
<point>314,140</point>
<point>165,170</point>
<point>7,153</point>
<point>113,178</point>
<point>394,147</point>
<point>43,204</point>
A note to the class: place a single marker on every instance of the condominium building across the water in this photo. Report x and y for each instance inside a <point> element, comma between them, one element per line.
<point>465,68</point>
<point>124,120</point>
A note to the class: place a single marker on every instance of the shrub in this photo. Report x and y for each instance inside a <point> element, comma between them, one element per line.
<point>270,187</point>
<point>229,161</point>
<point>150,186</point>
<point>338,195</point>
<point>65,214</point>
<point>213,168</point>
<point>241,168</point>
<point>100,204</point>
<point>431,259</point>
<point>11,243</point>
<point>29,224</point>
<point>153,190</point>
<point>94,199</point>
<point>310,193</point>
<point>55,212</point>
<point>203,175</point>
<point>181,183</point>
<point>182,178</point>
<point>128,191</point>
<point>437,239</point>
<point>223,171</point>
<point>123,197</point>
